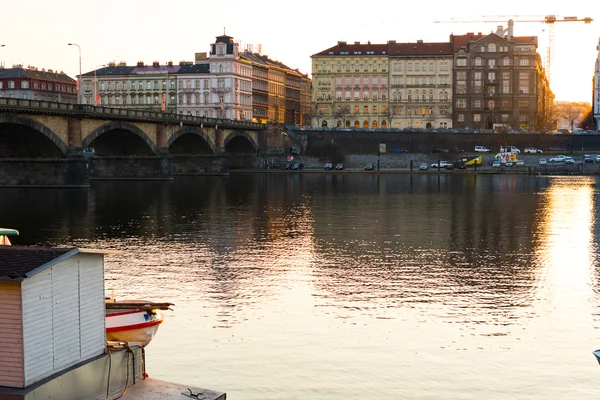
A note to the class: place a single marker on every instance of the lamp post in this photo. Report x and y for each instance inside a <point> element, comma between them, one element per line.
<point>96,84</point>
<point>79,91</point>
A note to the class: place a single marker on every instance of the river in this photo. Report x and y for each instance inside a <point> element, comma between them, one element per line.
<point>349,286</point>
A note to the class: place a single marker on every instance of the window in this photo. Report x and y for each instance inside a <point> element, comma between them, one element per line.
<point>505,87</point>
<point>492,48</point>
<point>477,103</point>
<point>505,103</point>
<point>491,104</point>
<point>505,61</point>
<point>366,109</point>
<point>374,109</point>
<point>11,84</point>
<point>356,109</point>
<point>460,62</point>
<point>523,103</point>
<point>1,85</point>
<point>148,86</point>
<point>491,90</point>
<point>504,117</point>
<point>461,117</point>
<point>461,103</point>
<point>476,117</point>
<point>491,76</point>
<point>25,84</point>
<point>478,61</point>
<point>524,62</point>
<point>491,63</point>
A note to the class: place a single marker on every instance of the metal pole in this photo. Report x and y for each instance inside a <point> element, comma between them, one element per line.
<point>79,91</point>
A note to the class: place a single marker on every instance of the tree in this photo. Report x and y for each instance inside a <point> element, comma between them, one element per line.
<point>316,114</point>
<point>546,120</point>
<point>572,112</point>
<point>588,122</point>
<point>340,113</point>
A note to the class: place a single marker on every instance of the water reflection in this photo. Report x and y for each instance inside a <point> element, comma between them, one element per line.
<point>342,283</point>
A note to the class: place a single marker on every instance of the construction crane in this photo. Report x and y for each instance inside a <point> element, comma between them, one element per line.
<point>546,19</point>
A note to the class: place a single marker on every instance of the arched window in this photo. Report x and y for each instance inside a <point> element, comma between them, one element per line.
<point>384,124</point>
<point>374,124</point>
<point>431,95</point>
<point>356,124</point>
<point>478,62</point>
<point>324,123</point>
<point>339,124</point>
<point>492,48</point>
<point>365,124</point>
<point>410,95</point>
<point>445,96</point>
<point>423,95</point>
<point>347,124</point>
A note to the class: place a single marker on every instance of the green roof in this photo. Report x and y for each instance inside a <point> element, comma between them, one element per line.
<point>8,232</point>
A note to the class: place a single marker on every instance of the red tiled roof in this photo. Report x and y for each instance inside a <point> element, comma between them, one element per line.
<point>460,41</point>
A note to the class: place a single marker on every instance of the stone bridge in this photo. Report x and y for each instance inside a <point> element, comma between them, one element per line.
<point>42,143</point>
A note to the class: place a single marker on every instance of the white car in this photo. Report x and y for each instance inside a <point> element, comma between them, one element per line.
<point>560,158</point>
<point>482,149</point>
<point>542,161</point>
<point>532,150</point>
<point>569,160</point>
<point>443,164</point>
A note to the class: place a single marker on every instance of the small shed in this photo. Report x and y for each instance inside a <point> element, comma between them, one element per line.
<point>52,312</point>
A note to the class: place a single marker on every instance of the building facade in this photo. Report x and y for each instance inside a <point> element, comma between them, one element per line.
<point>420,85</point>
<point>496,81</point>
<point>225,83</point>
<point>31,83</point>
<point>350,86</point>
<point>493,81</point>
<point>596,95</point>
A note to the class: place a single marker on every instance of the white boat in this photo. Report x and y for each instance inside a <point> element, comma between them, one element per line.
<point>133,320</point>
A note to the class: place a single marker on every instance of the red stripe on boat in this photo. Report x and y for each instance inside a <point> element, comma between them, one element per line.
<point>133,327</point>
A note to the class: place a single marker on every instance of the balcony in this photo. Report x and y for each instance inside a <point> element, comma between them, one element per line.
<point>220,89</point>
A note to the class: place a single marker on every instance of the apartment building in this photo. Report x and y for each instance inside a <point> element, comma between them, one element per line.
<point>496,81</point>
<point>420,84</point>
<point>34,84</point>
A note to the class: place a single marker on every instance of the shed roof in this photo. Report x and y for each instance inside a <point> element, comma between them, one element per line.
<point>21,262</point>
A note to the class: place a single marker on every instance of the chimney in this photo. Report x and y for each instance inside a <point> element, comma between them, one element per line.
<point>420,41</point>
<point>170,63</point>
<point>200,57</point>
<point>340,42</point>
<point>140,63</point>
<point>122,64</point>
<point>391,42</point>
<point>357,43</point>
<point>155,64</point>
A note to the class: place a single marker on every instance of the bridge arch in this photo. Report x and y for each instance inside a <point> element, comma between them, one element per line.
<point>113,125</point>
<point>194,131</point>
<point>33,124</point>
<point>238,139</point>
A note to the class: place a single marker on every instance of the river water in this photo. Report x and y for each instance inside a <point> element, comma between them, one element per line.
<point>349,286</point>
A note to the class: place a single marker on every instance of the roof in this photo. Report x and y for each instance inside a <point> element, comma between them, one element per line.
<point>112,70</point>
<point>33,73</point>
<point>342,48</point>
<point>194,69</point>
<point>420,49</point>
<point>21,262</point>
<point>460,41</point>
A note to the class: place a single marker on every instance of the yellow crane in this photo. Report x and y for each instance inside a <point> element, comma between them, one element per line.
<point>545,19</point>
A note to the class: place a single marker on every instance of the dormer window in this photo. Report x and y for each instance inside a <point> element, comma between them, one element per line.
<point>220,50</point>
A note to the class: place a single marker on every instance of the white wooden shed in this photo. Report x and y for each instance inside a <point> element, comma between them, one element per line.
<point>51,311</point>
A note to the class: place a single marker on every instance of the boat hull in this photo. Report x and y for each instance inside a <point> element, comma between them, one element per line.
<point>132,325</point>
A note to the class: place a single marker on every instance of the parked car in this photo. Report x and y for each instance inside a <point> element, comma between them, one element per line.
<point>542,161</point>
<point>339,166</point>
<point>442,164</point>
<point>482,149</point>
<point>423,167</point>
<point>588,158</point>
<point>569,160</point>
<point>456,150</point>
<point>496,164</point>
<point>287,165</point>
<point>532,150</point>
<point>560,158</point>
<point>328,166</point>
<point>597,158</point>
<point>369,167</point>
<point>398,150</point>
<point>298,166</point>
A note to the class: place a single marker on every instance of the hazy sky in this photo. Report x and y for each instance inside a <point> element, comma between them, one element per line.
<point>36,32</point>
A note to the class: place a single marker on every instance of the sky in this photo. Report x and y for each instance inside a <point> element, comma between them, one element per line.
<point>36,32</point>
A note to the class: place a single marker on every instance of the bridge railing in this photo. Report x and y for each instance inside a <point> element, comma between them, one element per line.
<point>27,105</point>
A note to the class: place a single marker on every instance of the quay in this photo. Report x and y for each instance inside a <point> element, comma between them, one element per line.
<point>53,333</point>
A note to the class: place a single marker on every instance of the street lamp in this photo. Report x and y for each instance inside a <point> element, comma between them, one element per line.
<point>96,84</point>
<point>79,92</point>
